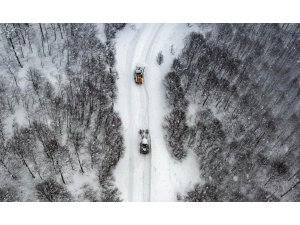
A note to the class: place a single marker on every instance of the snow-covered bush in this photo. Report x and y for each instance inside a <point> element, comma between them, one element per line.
<point>176,132</point>
<point>8,194</point>
<point>111,29</point>
<point>205,193</point>
<point>175,124</point>
<point>160,58</point>
<point>51,191</point>
<point>90,194</point>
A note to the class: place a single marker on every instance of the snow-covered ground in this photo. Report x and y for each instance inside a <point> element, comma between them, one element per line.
<point>156,176</point>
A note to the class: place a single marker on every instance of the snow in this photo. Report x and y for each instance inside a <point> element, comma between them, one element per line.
<point>145,141</point>
<point>80,180</point>
<point>101,33</point>
<point>156,176</point>
<point>18,117</point>
<point>191,114</point>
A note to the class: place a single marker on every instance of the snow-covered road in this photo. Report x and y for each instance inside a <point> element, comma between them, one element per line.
<point>156,176</point>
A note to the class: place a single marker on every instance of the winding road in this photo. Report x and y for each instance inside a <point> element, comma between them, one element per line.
<point>150,177</point>
<point>136,100</point>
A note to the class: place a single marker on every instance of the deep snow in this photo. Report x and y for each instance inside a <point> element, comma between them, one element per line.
<point>156,176</point>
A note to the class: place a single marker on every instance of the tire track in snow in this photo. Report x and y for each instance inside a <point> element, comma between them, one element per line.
<point>129,59</point>
<point>148,170</point>
<point>144,119</point>
<point>134,172</point>
<point>134,107</point>
<point>139,188</point>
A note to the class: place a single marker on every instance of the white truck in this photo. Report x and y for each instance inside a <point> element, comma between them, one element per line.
<point>145,144</point>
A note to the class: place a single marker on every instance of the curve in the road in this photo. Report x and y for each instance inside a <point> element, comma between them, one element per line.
<point>139,188</point>
<point>156,176</point>
<point>148,113</point>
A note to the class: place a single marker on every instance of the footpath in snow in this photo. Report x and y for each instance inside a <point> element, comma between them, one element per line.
<point>155,176</point>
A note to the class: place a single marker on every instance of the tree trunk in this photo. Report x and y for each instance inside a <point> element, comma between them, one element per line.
<point>14,50</point>
<point>290,189</point>
<point>77,155</point>
<point>294,175</point>
<point>43,38</point>
<point>59,27</point>
<point>24,162</point>
<point>205,100</point>
<point>62,177</point>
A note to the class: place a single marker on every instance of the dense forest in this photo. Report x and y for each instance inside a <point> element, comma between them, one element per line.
<point>234,97</point>
<point>57,121</point>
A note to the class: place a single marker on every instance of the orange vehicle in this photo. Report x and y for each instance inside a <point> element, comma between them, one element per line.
<point>139,75</point>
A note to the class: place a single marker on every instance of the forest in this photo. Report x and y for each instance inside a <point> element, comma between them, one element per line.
<point>232,95</point>
<point>234,98</point>
<point>57,122</point>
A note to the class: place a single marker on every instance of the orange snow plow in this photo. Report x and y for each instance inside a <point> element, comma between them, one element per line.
<point>139,75</point>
